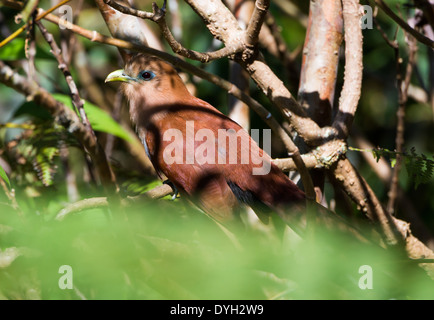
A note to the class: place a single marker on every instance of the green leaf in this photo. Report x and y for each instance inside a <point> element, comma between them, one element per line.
<point>98,118</point>
<point>4,176</point>
<point>393,162</point>
<point>13,50</point>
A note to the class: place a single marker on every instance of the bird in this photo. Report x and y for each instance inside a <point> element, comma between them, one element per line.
<point>207,156</point>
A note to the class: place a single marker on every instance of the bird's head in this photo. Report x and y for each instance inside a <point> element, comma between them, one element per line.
<point>149,80</point>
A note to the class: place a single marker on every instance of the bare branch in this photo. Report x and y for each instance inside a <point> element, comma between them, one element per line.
<point>30,46</point>
<point>158,16</point>
<point>101,202</point>
<point>402,86</point>
<point>352,87</point>
<point>320,60</point>
<point>256,21</point>
<point>76,100</point>
<point>321,157</point>
<point>319,69</point>
<point>359,191</point>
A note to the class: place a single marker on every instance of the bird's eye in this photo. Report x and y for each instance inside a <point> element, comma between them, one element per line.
<point>147,75</point>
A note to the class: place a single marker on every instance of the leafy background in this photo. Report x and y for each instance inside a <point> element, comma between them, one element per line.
<point>166,249</point>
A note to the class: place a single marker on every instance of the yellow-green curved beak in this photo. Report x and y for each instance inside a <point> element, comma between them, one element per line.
<point>119,75</point>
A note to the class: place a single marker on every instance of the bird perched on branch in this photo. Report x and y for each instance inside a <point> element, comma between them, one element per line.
<point>201,151</point>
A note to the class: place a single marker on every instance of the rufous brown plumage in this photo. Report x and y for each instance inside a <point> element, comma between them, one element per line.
<point>181,136</point>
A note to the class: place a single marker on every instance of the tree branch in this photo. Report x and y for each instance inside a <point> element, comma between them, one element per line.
<point>256,22</point>
<point>360,192</point>
<point>402,86</point>
<point>404,25</point>
<point>322,157</point>
<point>76,100</point>
<point>101,202</point>
<point>352,87</point>
<point>319,69</point>
<point>158,16</point>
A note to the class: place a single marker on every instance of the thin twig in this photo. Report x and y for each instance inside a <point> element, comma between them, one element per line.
<point>101,202</point>
<point>394,43</point>
<point>256,21</point>
<point>30,46</point>
<point>76,100</point>
<point>402,86</point>
<point>404,25</point>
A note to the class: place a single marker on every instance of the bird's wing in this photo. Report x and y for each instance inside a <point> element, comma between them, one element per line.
<point>259,178</point>
<point>214,156</point>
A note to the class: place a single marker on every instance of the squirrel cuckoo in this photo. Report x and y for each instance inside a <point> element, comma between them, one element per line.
<point>183,138</point>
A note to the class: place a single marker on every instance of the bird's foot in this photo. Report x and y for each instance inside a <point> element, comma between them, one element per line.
<point>175,190</point>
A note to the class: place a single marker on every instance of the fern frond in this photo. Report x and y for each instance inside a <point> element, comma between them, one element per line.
<point>419,167</point>
<point>44,165</point>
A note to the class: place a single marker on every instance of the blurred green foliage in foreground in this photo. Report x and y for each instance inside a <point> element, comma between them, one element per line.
<point>161,250</point>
